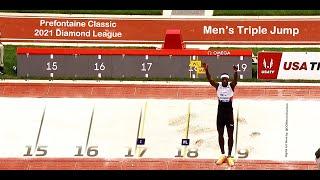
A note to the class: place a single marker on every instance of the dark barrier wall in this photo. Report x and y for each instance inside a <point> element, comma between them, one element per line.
<point>119,63</point>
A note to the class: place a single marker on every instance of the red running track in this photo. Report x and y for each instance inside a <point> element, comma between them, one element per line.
<point>59,90</point>
<point>145,164</point>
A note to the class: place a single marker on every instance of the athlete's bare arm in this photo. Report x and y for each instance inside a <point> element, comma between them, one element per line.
<point>212,82</point>
<point>235,77</point>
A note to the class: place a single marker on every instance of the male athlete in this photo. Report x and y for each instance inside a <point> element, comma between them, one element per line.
<point>225,91</point>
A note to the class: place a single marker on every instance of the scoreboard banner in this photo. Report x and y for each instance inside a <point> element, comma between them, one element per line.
<point>126,30</point>
<point>289,65</point>
<point>121,63</point>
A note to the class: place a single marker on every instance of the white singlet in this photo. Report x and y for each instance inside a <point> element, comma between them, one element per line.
<point>224,94</point>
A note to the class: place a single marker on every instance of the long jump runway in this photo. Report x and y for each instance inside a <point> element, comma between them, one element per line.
<point>120,125</point>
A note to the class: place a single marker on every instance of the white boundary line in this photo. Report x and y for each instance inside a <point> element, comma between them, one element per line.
<point>168,13</point>
<point>159,17</point>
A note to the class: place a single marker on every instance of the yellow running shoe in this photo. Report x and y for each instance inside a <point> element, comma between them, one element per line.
<point>221,160</point>
<point>230,161</point>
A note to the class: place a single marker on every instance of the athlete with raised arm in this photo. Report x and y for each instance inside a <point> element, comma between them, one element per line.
<point>225,90</point>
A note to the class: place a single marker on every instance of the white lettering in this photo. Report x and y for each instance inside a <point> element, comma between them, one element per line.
<point>109,24</point>
<point>107,34</point>
<point>267,71</point>
<point>63,33</point>
<point>222,53</point>
<point>213,30</point>
<point>65,23</point>
<point>252,30</point>
<point>285,31</point>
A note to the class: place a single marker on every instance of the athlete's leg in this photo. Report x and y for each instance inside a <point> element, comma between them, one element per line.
<point>230,139</point>
<point>220,129</point>
<point>221,139</point>
<point>230,128</point>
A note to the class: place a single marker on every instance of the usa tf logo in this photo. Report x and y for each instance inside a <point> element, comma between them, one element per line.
<point>267,66</point>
